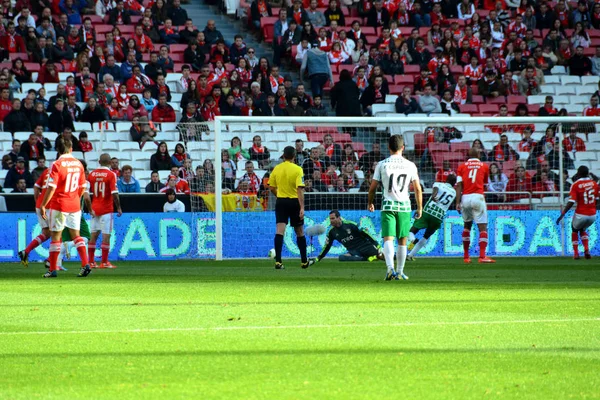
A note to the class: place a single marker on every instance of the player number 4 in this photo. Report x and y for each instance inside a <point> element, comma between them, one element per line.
<point>72,183</point>
<point>473,175</point>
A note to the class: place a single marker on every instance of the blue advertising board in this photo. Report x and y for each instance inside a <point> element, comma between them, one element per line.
<point>250,235</point>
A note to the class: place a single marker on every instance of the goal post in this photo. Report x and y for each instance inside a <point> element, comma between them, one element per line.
<point>436,143</point>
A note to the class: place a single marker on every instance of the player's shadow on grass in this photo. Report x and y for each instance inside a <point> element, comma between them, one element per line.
<point>308,352</point>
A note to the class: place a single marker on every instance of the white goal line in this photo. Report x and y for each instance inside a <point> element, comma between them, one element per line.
<point>291,327</point>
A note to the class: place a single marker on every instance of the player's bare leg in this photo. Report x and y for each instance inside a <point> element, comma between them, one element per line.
<point>38,240</point>
<point>279,245</point>
<point>82,251</point>
<point>92,249</point>
<point>105,246</point>
<point>483,241</point>
<point>466,239</point>
<point>412,240</point>
<point>420,244</point>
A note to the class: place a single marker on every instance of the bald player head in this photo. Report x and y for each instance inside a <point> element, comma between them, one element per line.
<point>473,153</point>
<point>104,159</point>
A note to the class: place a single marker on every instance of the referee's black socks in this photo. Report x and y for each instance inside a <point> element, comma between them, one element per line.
<point>279,247</point>
<point>301,241</point>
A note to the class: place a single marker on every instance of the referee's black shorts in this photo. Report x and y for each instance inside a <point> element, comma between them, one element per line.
<point>287,209</point>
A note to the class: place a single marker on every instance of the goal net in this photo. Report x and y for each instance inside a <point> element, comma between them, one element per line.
<point>529,185</point>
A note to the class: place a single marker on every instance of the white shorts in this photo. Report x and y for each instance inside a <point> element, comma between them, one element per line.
<point>474,208</point>
<point>43,222</point>
<point>102,223</point>
<point>60,220</point>
<point>582,222</point>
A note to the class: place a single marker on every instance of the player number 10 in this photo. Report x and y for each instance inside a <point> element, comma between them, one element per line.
<point>72,183</point>
<point>400,178</point>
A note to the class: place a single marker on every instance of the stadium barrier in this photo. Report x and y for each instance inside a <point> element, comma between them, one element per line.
<point>166,237</point>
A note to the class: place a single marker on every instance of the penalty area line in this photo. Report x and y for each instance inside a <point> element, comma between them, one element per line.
<point>316,326</point>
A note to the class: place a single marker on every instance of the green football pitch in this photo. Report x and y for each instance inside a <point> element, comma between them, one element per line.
<point>522,328</point>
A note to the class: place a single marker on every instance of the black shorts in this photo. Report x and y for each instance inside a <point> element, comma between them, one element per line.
<point>288,210</point>
<point>365,251</point>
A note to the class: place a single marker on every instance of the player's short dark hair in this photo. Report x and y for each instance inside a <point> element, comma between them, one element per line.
<point>396,143</point>
<point>451,179</point>
<point>335,212</point>
<point>63,145</point>
<point>289,153</point>
<point>583,171</point>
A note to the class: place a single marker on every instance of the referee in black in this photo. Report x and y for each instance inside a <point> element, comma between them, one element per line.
<point>287,184</point>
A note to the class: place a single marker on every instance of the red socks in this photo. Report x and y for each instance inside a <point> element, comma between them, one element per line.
<point>585,239</point>
<point>483,242</point>
<point>53,257</point>
<point>80,246</point>
<point>575,242</point>
<point>105,249</point>
<point>35,243</point>
<point>91,252</point>
<point>466,238</point>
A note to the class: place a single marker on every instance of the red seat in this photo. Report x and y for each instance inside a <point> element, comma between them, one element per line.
<point>411,69</point>
<point>489,108</point>
<point>468,108</point>
<point>456,70</point>
<point>508,167</point>
<point>177,48</point>
<point>396,89</point>
<point>477,99</point>
<point>359,147</point>
<point>516,100</point>
<point>346,67</point>
<point>368,30</point>
<point>389,78</point>
<point>437,147</point>
<point>474,89</point>
<point>32,67</point>
<point>496,100</point>
<point>403,80</point>
<point>420,143</point>
<point>103,28</point>
<point>327,129</point>
<point>533,109</point>
<point>460,147</point>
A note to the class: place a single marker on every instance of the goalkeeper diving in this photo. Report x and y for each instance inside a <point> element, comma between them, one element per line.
<point>360,245</point>
<point>435,209</point>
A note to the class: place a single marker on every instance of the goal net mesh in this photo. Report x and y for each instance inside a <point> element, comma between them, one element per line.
<point>338,159</point>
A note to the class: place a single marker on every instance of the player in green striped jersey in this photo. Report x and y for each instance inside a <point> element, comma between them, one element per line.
<point>433,213</point>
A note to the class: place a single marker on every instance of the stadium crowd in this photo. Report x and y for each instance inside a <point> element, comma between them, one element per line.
<point>147,63</point>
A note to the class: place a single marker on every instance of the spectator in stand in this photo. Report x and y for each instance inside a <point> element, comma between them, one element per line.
<point>110,68</point>
<point>491,86</point>
<point>188,32</point>
<point>12,41</point>
<point>596,60</point>
<point>580,64</point>
<point>333,13</point>
<point>21,186</point>
<point>428,102</point>
<point>161,160</point>
<point>293,109</point>
<point>367,159</point>
<point>406,104</point>
<point>271,108</point>
<point>349,155</point>
<point>229,107</point>
<point>503,151</point>
<point>345,96</point>
<point>378,16</point>
<point>179,156</point>
<point>127,183</point>
<point>442,174</point>
<point>18,171</point>
<point>237,50</point>
<point>548,109</point>
<point>135,108</point>
<point>119,15</point>
<point>32,149</point>
<point>420,55</point>
<point>152,69</point>
<point>39,170</point>
<point>259,9</point>
<point>163,112</point>
<point>497,183</point>
<point>317,109</point>
<point>373,94</point>
<point>519,182</point>
<point>148,102</point>
<point>449,106</point>
<point>48,73</point>
<point>84,143</point>
<point>314,163</point>
<point>161,89</point>
<point>393,65</point>
<point>478,145</point>
<point>16,120</point>
<point>155,184</point>
<point>571,143</point>
<point>259,153</point>
<point>39,116</point>
<point>14,153</point>
<point>332,150</point>
<point>316,65</point>
<point>211,34</point>
<point>92,113</point>
<point>527,144</point>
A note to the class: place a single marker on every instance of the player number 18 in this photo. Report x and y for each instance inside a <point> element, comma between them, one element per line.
<point>72,183</point>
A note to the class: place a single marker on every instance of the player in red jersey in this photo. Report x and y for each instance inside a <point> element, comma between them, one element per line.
<point>39,190</point>
<point>584,193</point>
<point>66,185</point>
<point>472,177</point>
<point>103,185</point>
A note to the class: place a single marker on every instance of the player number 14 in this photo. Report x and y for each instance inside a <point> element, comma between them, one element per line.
<point>99,187</point>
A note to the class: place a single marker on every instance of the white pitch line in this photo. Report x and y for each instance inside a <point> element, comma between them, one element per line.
<point>274,327</point>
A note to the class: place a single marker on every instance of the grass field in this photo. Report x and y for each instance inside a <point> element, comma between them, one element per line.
<point>523,328</point>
